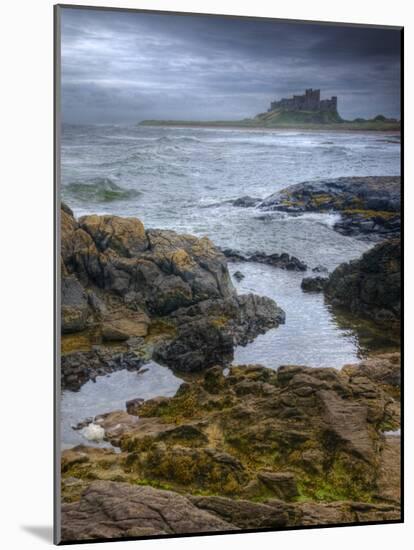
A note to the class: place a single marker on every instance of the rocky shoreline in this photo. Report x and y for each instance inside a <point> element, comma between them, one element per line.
<point>154,294</point>
<point>237,447</point>
<point>255,449</point>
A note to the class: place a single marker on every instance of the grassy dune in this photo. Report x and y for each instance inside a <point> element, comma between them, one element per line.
<point>288,119</point>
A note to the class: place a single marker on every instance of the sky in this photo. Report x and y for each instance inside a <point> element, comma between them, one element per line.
<point>124,67</point>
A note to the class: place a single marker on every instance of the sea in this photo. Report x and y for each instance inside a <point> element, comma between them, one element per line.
<point>184,179</point>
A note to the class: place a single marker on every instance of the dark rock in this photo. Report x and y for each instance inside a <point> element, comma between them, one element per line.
<point>283,261</point>
<point>369,206</point>
<point>246,202</point>
<point>77,368</point>
<point>238,275</point>
<point>74,305</point>
<point>313,284</point>
<point>370,286</point>
<point>208,331</point>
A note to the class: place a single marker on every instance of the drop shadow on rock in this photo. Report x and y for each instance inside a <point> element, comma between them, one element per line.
<point>42,532</point>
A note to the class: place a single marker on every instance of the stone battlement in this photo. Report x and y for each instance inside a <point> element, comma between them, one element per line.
<point>309,101</point>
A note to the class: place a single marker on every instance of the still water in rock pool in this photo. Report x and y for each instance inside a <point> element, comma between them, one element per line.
<point>109,393</point>
<point>310,336</point>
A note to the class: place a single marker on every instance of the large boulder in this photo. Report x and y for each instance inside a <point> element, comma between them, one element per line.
<point>208,331</point>
<point>159,270</point>
<point>371,285</point>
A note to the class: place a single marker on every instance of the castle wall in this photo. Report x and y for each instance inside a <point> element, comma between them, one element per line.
<point>310,101</point>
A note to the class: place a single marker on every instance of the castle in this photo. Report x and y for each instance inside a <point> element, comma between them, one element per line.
<point>310,101</point>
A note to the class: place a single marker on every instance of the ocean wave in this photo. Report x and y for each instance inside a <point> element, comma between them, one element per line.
<point>98,190</point>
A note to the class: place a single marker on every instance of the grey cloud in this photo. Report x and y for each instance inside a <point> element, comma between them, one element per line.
<point>125,66</point>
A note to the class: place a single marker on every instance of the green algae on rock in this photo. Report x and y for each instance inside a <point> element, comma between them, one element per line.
<point>295,434</point>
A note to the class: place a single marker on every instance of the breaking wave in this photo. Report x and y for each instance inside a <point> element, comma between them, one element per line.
<point>98,190</point>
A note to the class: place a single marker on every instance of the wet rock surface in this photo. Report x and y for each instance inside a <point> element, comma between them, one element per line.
<point>296,446</point>
<point>371,285</point>
<point>369,206</point>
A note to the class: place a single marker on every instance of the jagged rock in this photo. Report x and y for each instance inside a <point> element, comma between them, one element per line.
<point>369,206</point>
<point>208,331</point>
<point>158,270</point>
<point>283,261</point>
<point>135,279</point>
<point>370,286</point>
<point>126,236</point>
<point>112,332</point>
<point>113,510</point>
<point>313,284</point>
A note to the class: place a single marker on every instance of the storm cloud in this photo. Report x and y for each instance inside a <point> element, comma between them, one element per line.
<point>122,66</point>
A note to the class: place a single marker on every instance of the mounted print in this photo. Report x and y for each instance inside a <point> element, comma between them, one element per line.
<point>228,275</point>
